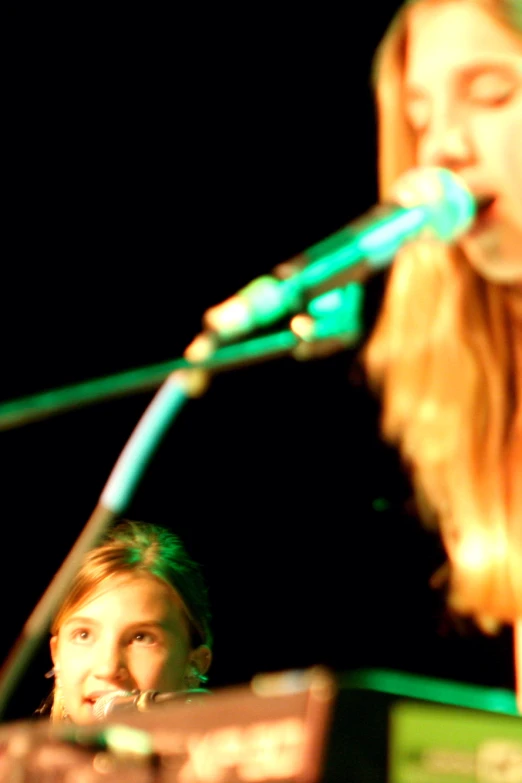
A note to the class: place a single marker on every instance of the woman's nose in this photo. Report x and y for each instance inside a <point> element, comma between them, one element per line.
<point>446,143</point>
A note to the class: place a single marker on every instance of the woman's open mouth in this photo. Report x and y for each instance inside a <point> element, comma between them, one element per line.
<point>486,214</point>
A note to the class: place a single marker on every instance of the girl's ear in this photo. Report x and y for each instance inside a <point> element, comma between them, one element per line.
<point>53,645</point>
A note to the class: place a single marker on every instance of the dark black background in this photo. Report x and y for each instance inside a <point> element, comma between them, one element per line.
<point>154,164</point>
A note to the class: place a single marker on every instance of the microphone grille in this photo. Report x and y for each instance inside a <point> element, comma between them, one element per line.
<point>103,705</point>
<point>449,203</point>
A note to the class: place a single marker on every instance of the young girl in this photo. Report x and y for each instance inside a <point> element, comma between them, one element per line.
<point>136,618</point>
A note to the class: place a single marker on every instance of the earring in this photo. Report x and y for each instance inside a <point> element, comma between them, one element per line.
<point>192,678</point>
<point>58,711</point>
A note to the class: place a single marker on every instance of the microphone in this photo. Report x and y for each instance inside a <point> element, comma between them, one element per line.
<point>427,202</point>
<point>116,702</point>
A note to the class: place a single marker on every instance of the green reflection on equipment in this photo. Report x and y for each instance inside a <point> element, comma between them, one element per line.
<point>431,689</point>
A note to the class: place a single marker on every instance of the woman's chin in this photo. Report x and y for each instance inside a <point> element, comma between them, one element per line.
<point>495,255</point>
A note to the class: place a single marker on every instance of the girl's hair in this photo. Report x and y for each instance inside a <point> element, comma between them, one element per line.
<point>442,357</point>
<point>139,548</point>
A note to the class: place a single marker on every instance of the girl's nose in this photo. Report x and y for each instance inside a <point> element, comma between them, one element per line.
<point>110,663</point>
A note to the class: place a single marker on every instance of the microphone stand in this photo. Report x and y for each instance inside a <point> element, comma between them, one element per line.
<point>134,458</point>
<point>115,497</point>
<point>35,407</point>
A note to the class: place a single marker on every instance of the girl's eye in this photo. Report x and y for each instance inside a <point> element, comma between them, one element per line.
<point>143,638</point>
<point>81,636</point>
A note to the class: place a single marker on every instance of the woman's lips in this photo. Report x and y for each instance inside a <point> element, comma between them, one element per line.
<point>484,203</point>
<point>486,214</point>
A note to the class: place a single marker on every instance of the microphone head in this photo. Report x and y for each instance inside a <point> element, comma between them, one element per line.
<point>104,705</point>
<point>450,205</point>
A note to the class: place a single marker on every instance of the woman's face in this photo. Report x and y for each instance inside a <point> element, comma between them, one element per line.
<point>131,633</point>
<point>464,102</point>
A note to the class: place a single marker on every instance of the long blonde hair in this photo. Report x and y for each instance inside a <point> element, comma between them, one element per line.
<point>442,357</point>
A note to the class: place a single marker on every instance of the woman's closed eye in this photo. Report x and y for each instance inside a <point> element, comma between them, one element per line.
<point>493,88</point>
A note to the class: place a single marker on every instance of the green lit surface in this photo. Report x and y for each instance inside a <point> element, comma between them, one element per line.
<point>267,300</point>
<point>327,303</point>
<point>386,237</point>
<point>338,312</point>
<point>380,240</point>
<point>119,738</point>
<point>430,689</point>
<point>337,260</point>
<point>435,744</point>
<point>348,298</point>
<point>128,740</point>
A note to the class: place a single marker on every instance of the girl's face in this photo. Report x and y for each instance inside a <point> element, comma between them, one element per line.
<point>464,102</point>
<point>131,633</point>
